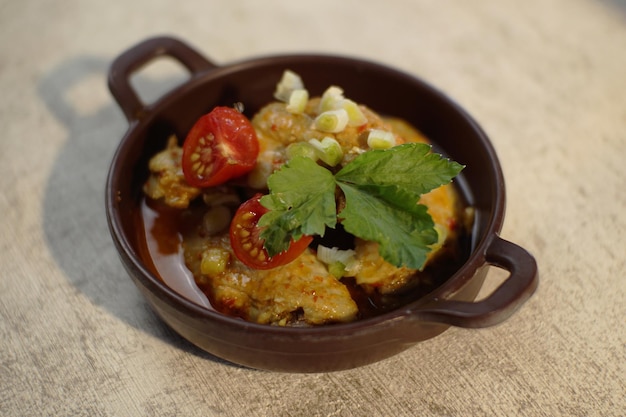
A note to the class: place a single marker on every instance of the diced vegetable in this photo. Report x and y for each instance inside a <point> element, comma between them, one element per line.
<point>302,149</point>
<point>332,121</point>
<point>214,261</point>
<point>340,262</point>
<point>355,114</point>
<point>334,99</point>
<point>328,150</point>
<point>337,269</point>
<point>331,99</point>
<point>380,139</point>
<point>289,82</point>
<point>297,101</point>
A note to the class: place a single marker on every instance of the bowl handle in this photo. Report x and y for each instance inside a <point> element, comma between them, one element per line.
<point>141,54</point>
<point>501,303</point>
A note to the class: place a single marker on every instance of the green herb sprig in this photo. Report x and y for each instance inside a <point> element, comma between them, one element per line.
<point>381,188</point>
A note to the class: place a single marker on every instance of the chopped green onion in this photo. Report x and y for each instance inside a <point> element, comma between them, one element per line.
<point>297,101</point>
<point>337,269</point>
<point>328,150</point>
<point>380,139</point>
<point>331,99</point>
<point>355,114</point>
<point>214,261</point>
<point>332,121</point>
<point>289,82</point>
<point>329,255</point>
<point>340,262</point>
<point>301,149</point>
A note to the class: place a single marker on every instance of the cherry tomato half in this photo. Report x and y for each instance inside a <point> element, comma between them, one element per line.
<point>246,241</point>
<point>220,146</point>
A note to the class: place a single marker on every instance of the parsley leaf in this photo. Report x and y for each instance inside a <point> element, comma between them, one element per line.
<point>301,202</point>
<point>381,188</point>
<point>405,172</point>
<point>403,237</point>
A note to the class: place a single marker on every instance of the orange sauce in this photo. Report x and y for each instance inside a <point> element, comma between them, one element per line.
<point>161,227</point>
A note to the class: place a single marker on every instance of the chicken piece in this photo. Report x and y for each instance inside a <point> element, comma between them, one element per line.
<point>376,273</point>
<point>274,123</point>
<point>299,293</point>
<point>442,203</point>
<point>277,128</point>
<point>305,286</point>
<point>166,178</point>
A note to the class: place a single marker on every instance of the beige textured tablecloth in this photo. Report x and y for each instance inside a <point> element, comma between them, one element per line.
<point>545,79</point>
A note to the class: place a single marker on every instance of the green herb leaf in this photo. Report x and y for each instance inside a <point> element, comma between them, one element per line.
<point>382,189</point>
<point>403,236</point>
<point>404,171</point>
<point>301,202</point>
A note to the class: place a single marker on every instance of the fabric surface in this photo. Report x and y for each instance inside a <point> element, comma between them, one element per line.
<point>546,81</point>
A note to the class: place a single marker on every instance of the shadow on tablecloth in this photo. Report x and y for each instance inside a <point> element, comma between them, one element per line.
<point>75,223</point>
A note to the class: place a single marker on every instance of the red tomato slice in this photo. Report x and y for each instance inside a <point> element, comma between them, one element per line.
<point>247,244</point>
<point>220,146</point>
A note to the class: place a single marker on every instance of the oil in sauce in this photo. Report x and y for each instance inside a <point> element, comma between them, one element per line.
<point>163,240</point>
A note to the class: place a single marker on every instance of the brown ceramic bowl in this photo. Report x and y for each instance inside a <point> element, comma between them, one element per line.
<point>388,91</point>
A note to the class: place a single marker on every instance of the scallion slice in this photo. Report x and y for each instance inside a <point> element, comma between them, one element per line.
<point>340,262</point>
<point>297,101</point>
<point>355,114</point>
<point>302,149</point>
<point>289,82</point>
<point>380,139</point>
<point>332,121</point>
<point>331,99</point>
<point>328,150</point>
